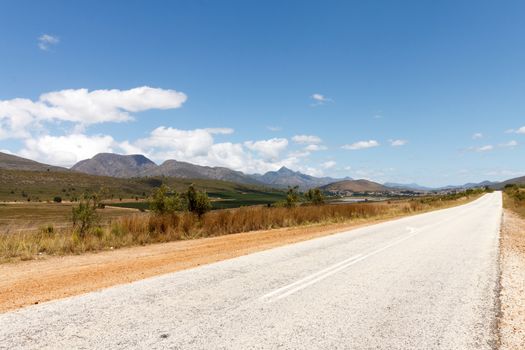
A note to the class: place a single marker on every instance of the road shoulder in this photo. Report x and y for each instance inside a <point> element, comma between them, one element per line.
<point>512,267</point>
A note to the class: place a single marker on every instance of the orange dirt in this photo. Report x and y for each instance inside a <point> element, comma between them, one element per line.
<point>31,282</point>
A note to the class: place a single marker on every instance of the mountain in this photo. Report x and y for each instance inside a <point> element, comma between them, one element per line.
<point>191,171</point>
<point>285,177</point>
<point>355,186</point>
<point>12,162</point>
<point>115,165</point>
<point>412,186</point>
<point>515,181</point>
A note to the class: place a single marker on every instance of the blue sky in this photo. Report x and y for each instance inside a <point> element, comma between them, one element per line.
<point>404,91</point>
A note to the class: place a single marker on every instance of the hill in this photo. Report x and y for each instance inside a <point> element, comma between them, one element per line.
<point>26,185</point>
<point>515,181</point>
<point>12,162</point>
<point>116,165</point>
<point>353,186</point>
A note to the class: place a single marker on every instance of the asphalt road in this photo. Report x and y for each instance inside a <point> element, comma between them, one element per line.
<point>423,282</point>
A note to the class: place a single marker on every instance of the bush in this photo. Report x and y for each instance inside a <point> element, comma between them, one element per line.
<point>198,201</point>
<point>84,215</point>
<point>314,196</point>
<point>165,201</point>
<point>57,199</point>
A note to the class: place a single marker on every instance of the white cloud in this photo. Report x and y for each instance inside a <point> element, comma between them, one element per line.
<point>274,128</point>
<point>315,148</point>
<point>20,117</point>
<point>485,148</point>
<point>516,131</point>
<point>303,139</point>
<point>397,143</point>
<point>319,99</point>
<point>509,144</point>
<point>67,150</point>
<point>46,41</point>
<point>361,145</point>
<point>329,164</point>
<point>268,149</point>
<point>520,130</point>
<point>477,136</point>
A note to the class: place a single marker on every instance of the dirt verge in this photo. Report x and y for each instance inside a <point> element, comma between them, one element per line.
<point>31,282</point>
<point>512,267</point>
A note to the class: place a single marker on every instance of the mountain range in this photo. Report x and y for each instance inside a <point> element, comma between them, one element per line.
<point>137,166</point>
<point>128,166</point>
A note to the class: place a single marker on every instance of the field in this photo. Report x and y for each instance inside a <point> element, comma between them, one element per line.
<point>146,228</point>
<point>16,217</point>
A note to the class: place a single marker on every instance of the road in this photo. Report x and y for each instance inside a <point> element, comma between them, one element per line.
<point>423,282</point>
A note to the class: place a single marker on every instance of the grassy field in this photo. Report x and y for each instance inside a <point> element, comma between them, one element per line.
<point>16,217</point>
<point>146,228</point>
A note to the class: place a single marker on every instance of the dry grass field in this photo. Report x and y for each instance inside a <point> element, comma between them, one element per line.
<point>18,217</point>
<point>145,228</point>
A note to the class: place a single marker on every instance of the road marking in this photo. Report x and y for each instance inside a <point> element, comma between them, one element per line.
<point>307,281</point>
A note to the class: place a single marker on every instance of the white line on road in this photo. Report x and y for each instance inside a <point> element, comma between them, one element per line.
<point>301,284</point>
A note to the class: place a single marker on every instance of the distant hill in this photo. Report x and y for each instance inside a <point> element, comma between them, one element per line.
<point>115,165</point>
<point>515,181</point>
<point>12,162</point>
<point>285,177</point>
<point>191,171</point>
<point>355,186</point>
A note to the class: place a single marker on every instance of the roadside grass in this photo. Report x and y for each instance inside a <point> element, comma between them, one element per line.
<point>147,228</point>
<point>514,199</point>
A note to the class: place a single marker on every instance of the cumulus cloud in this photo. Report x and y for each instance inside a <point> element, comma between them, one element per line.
<point>398,143</point>
<point>516,131</point>
<point>319,99</point>
<point>20,116</point>
<point>268,149</point>
<point>306,139</point>
<point>329,164</point>
<point>46,41</point>
<point>485,148</point>
<point>67,150</point>
<point>510,144</point>
<point>361,145</point>
<point>477,136</point>
<point>315,148</point>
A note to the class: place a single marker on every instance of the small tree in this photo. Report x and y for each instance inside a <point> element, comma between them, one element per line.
<point>198,201</point>
<point>315,196</point>
<point>165,201</point>
<point>292,197</point>
<point>85,215</point>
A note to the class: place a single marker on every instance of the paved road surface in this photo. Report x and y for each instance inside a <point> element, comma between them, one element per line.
<point>423,282</point>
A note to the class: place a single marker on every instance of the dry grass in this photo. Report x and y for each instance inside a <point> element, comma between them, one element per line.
<point>145,229</point>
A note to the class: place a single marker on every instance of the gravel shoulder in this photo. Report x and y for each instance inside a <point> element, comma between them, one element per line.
<point>512,266</point>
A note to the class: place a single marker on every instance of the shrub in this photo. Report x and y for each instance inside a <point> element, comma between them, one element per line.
<point>165,201</point>
<point>57,199</point>
<point>198,201</point>
<point>84,215</point>
<point>314,196</point>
